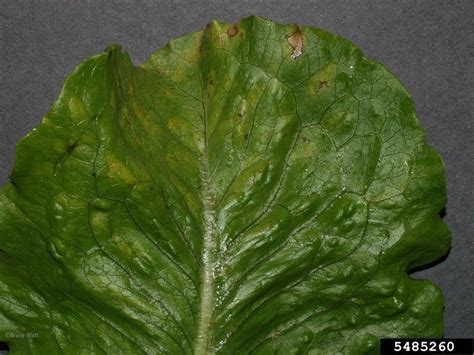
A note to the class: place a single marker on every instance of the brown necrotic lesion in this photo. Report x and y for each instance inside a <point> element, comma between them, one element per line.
<point>296,42</point>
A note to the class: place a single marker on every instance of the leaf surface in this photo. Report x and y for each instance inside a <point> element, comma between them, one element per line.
<point>251,188</point>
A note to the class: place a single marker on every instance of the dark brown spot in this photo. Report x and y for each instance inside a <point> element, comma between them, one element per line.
<point>211,82</point>
<point>10,178</point>
<point>232,31</point>
<point>3,253</point>
<point>305,140</point>
<point>323,84</point>
<point>71,147</point>
<point>127,121</point>
<point>246,136</point>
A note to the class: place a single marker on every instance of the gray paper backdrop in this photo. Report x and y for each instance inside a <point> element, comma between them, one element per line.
<point>429,45</point>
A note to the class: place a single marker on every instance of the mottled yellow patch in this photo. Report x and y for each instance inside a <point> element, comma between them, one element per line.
<point>180,127</point>
<point>140,171</point>
<point>45,168</point>
<point>189,197</point>
<point>248,183</point>
<point>138,110</point>
<point>60,146</point>
<point>64,201</point>
<point>179,72</point>
<point>306,149</point>
<point>113,100</point>
<point>335,119</point>
<point>89,137</point>
<point>255,92</point>
<point>149,123</point>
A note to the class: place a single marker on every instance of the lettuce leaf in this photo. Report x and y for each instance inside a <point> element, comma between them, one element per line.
<point>251,188</point>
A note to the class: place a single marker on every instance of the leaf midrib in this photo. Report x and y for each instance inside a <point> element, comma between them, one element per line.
<point>206,305</point>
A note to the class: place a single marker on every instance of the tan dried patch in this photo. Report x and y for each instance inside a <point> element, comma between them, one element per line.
<point>296,42</point>
<point>232,31</point>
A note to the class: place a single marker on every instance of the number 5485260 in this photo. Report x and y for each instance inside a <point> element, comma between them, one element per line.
<point>423,346</point>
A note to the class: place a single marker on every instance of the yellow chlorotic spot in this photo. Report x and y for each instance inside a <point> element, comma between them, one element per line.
<point>77,109</point>
<point>99,222</point>
<point>323,79</point>
<point>117,169</point>
<point>122,245</point>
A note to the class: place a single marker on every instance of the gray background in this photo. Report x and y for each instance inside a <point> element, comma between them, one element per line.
<point>429,45</point>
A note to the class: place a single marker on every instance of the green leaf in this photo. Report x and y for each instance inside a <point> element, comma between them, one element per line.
<point>251,188</point>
